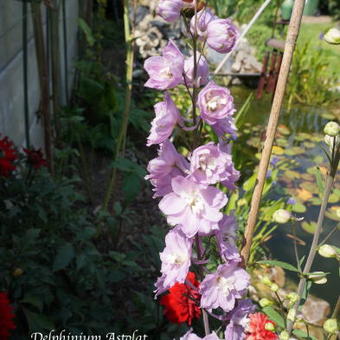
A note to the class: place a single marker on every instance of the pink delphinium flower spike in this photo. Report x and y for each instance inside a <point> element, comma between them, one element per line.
<point>170,10</point>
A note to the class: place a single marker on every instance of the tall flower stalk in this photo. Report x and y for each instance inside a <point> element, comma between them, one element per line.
<point>193,190</point>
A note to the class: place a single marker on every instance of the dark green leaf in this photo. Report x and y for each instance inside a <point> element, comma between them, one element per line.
<point>64,256</point>
<point>274,316</point>
<point>281,264</point>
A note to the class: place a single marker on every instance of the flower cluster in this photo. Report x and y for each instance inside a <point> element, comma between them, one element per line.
<point>8,155</point>
<point>35,158</point>
<point>6,317</point>
<point>192,189</point>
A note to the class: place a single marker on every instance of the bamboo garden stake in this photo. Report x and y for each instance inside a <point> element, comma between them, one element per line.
<point>293,32</point>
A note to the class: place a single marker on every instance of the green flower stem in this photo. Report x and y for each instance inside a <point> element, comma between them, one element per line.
<point>121,140</point>
<point>315,243</point>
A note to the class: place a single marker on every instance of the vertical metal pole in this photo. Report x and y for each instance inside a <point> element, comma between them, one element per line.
<point>65,50</point>
<point>25,75</point>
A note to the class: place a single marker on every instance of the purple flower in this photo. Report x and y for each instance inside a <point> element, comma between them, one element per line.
<point>224,127</point>
<point>176,260</point>
<point>191,336</point>
<point>170,10</point>
<point>225,237</point>
<point>291,200</point>
<point>192,206</point>
<point>215,103</point>
<point>165,72</point>
<point>209,165</point>
<point>238,320</point>
<point>221,35</point>
<point>202,19</point>
<point>202,71</point>
<point>165,167</point>
<point>167,116</point>
<point>222,288</point>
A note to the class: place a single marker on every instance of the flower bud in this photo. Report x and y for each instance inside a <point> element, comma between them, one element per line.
<point>330,326</point>
<point>265,302</point>
<point>269,326</point>
<point>202,71</point>
<point>291,315</point>
<point>17,272</point>
<point>201,20</point>
<point>281,216</point>
<point>284,335</point>
<point>331,129</point>
<point>327,251</point>
<point>170,10</point>
<point>266,280</point>
<point>329,140</point>
<point>332,36</point>
<point>274,287</point>
<point>318,278</point>
<point>292,297</point>
<point>221,35</point>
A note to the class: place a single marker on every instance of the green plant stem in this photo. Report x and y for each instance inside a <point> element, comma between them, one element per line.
<point>121,140</point>
<point>315,242</point>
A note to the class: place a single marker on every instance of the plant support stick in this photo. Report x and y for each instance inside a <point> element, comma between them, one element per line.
<point>293,31</point>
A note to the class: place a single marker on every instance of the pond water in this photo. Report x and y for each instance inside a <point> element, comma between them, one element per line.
<point>300,142</point>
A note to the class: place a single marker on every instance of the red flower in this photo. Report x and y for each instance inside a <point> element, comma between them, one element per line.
<point>182,302</point>
<point>258,328</point>
<point>6,316</point>
<point>8,155</point>
<point>35,158</point>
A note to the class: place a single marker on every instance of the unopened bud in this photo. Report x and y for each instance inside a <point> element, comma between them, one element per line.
<point>318,278</point>
<point>265,302</point>
<point>292,297</point>
<point>331,129</point>
<point>332,36</point>
<point>281,216</point>
<point>274,287</point>
<point>327,250</point>
<point>266,280</point>
<point>269,326</point>
<point>330,326</point>
<point>291,315</point>
<point>284,335</point>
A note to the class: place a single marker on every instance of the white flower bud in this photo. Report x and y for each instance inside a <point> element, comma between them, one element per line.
<point>281,216</point>
<point>274,287</point>
<point>284,335</point>
<point>266,280</point>
<point>332,36</point>
<point>331,129</point>
<point>330,326</point>
<point>292,297</point>
<point>265,302</point>
<point>327,251</point>
<point>318,278</point>
<point>329,140</point>
<point>269,327</point>
<point>291,315</point>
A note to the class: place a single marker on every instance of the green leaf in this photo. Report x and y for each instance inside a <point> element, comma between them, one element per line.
<point>250,182</point>
<point>281,264</point>
<point>37,322</point>
<point>310,227</point>
<point>64,256</point>
<point>274,316</point>
<point>87,31</point>
<point>299,208</point>
<point>32,300</point>
<point>301,334</point>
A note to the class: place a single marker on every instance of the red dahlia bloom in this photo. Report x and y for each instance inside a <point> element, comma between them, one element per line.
<point>181,304</point>
<point>35,158</point>
<point>257,328</point>
<point>6,317</point>
<point>8,155</point>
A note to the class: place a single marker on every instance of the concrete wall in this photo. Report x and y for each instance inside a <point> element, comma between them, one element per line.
<point>12,116</point>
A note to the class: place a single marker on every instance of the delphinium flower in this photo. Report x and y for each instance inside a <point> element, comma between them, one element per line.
<point>6,317</point>
<point>194,207</point>
<point>167,116</point>
<point>176,260</point>
<point>170,10</point>
<point>8,156</point>
<point>225,237</point>
<point>191,336</point>
<point>181,304</point>
<point>35,158</point>
<point>260,328</point>
<point>223,288</point>
<point>165,167</point>
<point>239,320</point>
<point>165,71</point>
<point>215,103</point>
<point>210,165</point>
<point>202,71</point>
<point>221,35</point>
<point>202,20</point>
